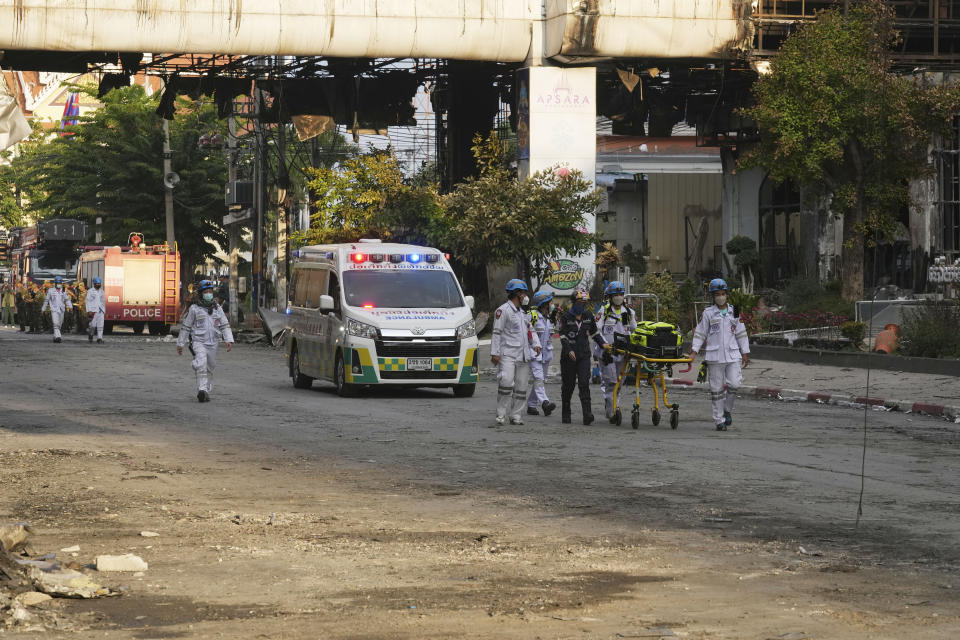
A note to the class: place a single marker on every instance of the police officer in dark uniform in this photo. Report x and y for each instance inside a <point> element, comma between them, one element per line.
<point>577,328</point>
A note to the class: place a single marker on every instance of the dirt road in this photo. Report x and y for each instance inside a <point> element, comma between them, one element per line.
<point>295,514</point>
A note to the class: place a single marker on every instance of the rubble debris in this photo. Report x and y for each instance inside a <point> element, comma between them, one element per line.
<point>125,562</point>
<point>149,534</point>
<point>13,536</point>
<point>32,598</point>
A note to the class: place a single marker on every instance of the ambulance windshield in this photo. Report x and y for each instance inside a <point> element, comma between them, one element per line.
<point>427,289</point>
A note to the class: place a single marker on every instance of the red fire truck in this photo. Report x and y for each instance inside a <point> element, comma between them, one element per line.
<point>142,284</point>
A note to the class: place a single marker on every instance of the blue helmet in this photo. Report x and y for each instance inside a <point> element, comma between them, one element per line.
<point>97,281</point>
<point>615,288</point>
<point>204,285</point>
<point>516,285</point>
<point>58,280</point>
<point>541,297</point>
<point>718,284</point>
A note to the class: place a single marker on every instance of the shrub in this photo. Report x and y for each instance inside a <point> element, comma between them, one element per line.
<point>742,301</point>
<point>854,332</point>
<point>931,330</point>
<point>665,288</point>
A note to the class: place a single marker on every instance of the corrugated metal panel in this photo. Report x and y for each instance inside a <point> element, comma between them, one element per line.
<point>673,197</point>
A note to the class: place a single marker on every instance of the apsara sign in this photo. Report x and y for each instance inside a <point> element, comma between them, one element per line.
<point>564,274</point>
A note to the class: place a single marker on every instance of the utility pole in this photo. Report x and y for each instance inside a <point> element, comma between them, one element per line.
<point>167,184</point>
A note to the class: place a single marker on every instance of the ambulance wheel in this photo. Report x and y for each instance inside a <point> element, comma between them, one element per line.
<point>655,417</point>
<point>138,327</point>
<point>635,420</point>
<point>300,381</point>
<point>618,417</point>
<point>464,390</point>
<point>674,419</point>
<point>344,389</point>
<point>158,329</point>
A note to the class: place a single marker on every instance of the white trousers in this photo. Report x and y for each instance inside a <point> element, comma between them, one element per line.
<point>512,378</point>
<point>57,318</point>
<point>96,324</point>
<point>725,378</point>
<point>608,382</point>
<point>538,393</point>
<point>204,362</point>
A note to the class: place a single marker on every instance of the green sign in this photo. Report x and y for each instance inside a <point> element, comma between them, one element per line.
<point>564,274</point>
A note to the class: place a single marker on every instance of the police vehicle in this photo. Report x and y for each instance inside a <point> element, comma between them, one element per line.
<point>372,313</point>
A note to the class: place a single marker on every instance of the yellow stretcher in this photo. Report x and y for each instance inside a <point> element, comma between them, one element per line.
<point>651,369</point>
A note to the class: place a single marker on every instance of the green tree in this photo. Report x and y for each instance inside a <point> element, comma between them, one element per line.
<point>746,258</point>
<point>11,212</point>
<point>835,119</point>
<point>495,218</point>
<point>365,196</point>
<point>111,167</point>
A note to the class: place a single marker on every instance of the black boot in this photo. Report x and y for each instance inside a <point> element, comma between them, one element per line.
<point>565,413</point>
<point>587,416</point>
<point>548,407</point>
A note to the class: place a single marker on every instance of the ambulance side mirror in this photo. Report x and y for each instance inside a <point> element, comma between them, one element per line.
<point>326,303</point>
<point>469,301</point>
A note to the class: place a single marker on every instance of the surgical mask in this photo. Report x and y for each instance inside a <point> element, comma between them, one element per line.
<point>617,300</point>
<point>525,300</point>
<point>551,308</point>
<point>208,297</point>
<point>720,300</point>
<point>59,287</point>
<point>577,309</point>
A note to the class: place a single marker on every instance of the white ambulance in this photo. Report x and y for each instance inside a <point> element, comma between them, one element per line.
<point>372,313</point>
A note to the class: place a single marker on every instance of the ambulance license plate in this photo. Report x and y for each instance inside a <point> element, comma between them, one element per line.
<point>419,364</point>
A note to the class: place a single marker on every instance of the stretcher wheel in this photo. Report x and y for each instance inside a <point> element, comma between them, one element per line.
<point>655,417</point>
<point>635,420</point>
<point>617,417</point>
<point>674,419</point>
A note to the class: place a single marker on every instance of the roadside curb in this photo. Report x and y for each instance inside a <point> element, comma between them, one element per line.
<point>951,413</point>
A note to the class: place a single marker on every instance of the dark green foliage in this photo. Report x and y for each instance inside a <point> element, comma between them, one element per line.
<point>835,119</point>
<point>112,168</point>
<point>931,330</point>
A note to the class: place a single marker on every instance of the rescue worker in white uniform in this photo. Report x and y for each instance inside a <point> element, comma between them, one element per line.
<point>204,325</point>
<point>512,347</point>
<point>96,304</point>
<point>726,346</point>
<point>57,301</point>
<point>539,318</point>
<point>614,317</point>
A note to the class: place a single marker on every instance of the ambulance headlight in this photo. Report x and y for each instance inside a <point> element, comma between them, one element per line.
<point>467,330</point>
<point>361,329</point>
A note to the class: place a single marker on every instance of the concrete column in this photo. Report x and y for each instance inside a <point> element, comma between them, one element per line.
<point>557,124</point>
<point>740,201</point>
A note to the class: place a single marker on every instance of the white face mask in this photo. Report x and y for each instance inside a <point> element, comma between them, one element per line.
<point>525,301</point>
<point>617,300</point>
<point>720,300</point>
<point>551,308</point>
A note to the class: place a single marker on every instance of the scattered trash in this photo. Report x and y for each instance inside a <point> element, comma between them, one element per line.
<point>68,583</point>
<point>718,520</point>
<point>793,635</point>
<point>804,552</point>
<point>126,562</point>
<point>273,518</point>
<point>143,534</point>
<point>74,549</point>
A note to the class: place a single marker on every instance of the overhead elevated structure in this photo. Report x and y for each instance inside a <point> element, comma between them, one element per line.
<point>492,30</point>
